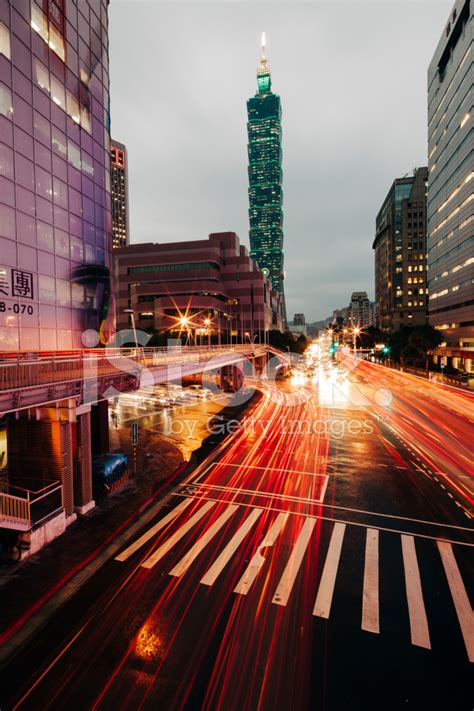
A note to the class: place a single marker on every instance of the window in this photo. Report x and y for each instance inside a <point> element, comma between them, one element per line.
<point>49,28</point>
<point>42,75</point>
<point>57,92</point>
<point>5,47</point>
<point>6,107</point>
<point>73,107</point>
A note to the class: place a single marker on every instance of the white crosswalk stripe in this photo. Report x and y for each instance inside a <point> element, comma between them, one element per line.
<point>124,555</point>
<point>282,593</point>
<point>322,606</point>
<point>326,585</point>
<point>420,635</point>
<point>258,560</point>
<point>180,533</point>
<point>202,542</point>
<point>370,596</point>
<point>463,607</point>
<point>217,567</point>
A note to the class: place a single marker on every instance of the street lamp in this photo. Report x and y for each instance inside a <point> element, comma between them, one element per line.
<point>184,323</point>
<point>131,313</point>
<point>207,323</point>
<point>355,333</point>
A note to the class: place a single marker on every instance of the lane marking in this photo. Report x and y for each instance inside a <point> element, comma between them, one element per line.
<point>420,635</point>
<point>180,533</point>
<point>216,568</point>
<point>269,468</point>
<point>152,531</point>
<point>350,510</point>
<point>463,607</point>
<point>202,542</point>
<point>258,560</point>
<point>270,494</point>
<point>370,598</point>
<point>349,523</point>
<point>322,606</point>
<point>282,593</point>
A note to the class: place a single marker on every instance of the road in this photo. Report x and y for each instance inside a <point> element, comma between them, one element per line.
<point>322,559</point>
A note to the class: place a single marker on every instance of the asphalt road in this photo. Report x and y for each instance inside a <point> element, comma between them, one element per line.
<point>323,560</point>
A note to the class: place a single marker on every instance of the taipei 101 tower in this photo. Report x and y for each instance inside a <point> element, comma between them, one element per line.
<point>265,177</point>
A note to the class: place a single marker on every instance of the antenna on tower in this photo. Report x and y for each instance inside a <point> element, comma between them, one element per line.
<point>264,44</point>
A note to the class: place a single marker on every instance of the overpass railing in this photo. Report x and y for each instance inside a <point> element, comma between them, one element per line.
<point>27,369</point>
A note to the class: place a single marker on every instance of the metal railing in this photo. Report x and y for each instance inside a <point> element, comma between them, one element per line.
<point>27,507</point>
<point>28,369</point>
<point>14,512</point>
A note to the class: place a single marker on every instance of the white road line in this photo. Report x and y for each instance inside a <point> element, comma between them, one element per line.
<point>370,598</point>
<point>182,531</point>
<point>259,493</point>
<point>420,635</point>
<point>463,607</point>
<point>258,560</point>
<point>217,567</point>
<point>282,593</point>
<point>202,542</point>
<point>349,523</point>
<point>322,606</point>
<point>152,531</point>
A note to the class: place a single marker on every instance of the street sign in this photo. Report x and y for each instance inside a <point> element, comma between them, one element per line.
<point>134,433</point>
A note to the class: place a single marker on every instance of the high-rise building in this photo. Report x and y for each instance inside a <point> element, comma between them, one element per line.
<point>361,311</point>
<point>55,220</point>
<point>119,186</point>
<point>265,177</point>
<point>450,187</point>
<point>400,254</point>
<point>299,324</point>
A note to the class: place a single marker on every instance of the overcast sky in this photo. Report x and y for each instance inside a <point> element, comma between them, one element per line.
<point>352,79</point>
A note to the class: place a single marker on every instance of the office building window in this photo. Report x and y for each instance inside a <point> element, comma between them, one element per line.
<point>5,46</point>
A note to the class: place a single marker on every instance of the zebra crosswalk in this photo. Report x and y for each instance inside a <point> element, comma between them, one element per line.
<point>236,524</point>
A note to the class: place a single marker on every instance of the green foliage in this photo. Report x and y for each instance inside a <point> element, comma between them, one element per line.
<point>286,339</point>
<point>411,343</point>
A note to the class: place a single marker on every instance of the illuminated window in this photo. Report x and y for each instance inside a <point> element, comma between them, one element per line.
<point>57,92</point>
<point>5,47</point>
<point>6,107</point>
<point>50,28</point>
<point>72,105</point>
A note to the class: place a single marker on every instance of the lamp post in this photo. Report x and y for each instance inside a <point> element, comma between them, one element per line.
<point>207,323</point>
<point>131,313</point>
<point>355,333</point>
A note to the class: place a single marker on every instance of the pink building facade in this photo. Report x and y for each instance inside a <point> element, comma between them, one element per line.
<point>200,289</point>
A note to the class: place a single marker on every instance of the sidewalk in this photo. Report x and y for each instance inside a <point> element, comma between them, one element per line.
<point>26,586</point>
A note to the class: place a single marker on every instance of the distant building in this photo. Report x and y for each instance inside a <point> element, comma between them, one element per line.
<point>339,317</point>
<point>400,254</point>
<point>213,283</point>
<point>450,188</point>
<point>119,193</point>
<point>361,311</point>
<point>299,324</point>
<point>265,178</point>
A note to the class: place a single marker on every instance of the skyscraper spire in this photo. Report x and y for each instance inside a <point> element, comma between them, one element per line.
<point>264,81</point>
<point>265,178</point>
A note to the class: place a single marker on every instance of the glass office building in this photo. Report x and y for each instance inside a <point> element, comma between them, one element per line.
<point>55,207</point>
<point>451,188</point>
<point>265,178</point>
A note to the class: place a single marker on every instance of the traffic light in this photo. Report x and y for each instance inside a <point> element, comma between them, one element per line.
<point>386,350</point>
<point>333,348</point>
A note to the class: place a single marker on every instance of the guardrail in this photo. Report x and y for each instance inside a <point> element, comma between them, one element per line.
<point>22,370</point>
<point>28,507</point>
<point>14,512</point>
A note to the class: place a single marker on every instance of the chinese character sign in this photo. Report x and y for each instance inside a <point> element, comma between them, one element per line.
<point>22,283</point>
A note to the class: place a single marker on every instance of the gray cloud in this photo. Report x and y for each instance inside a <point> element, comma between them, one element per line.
<point>352,78</point>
